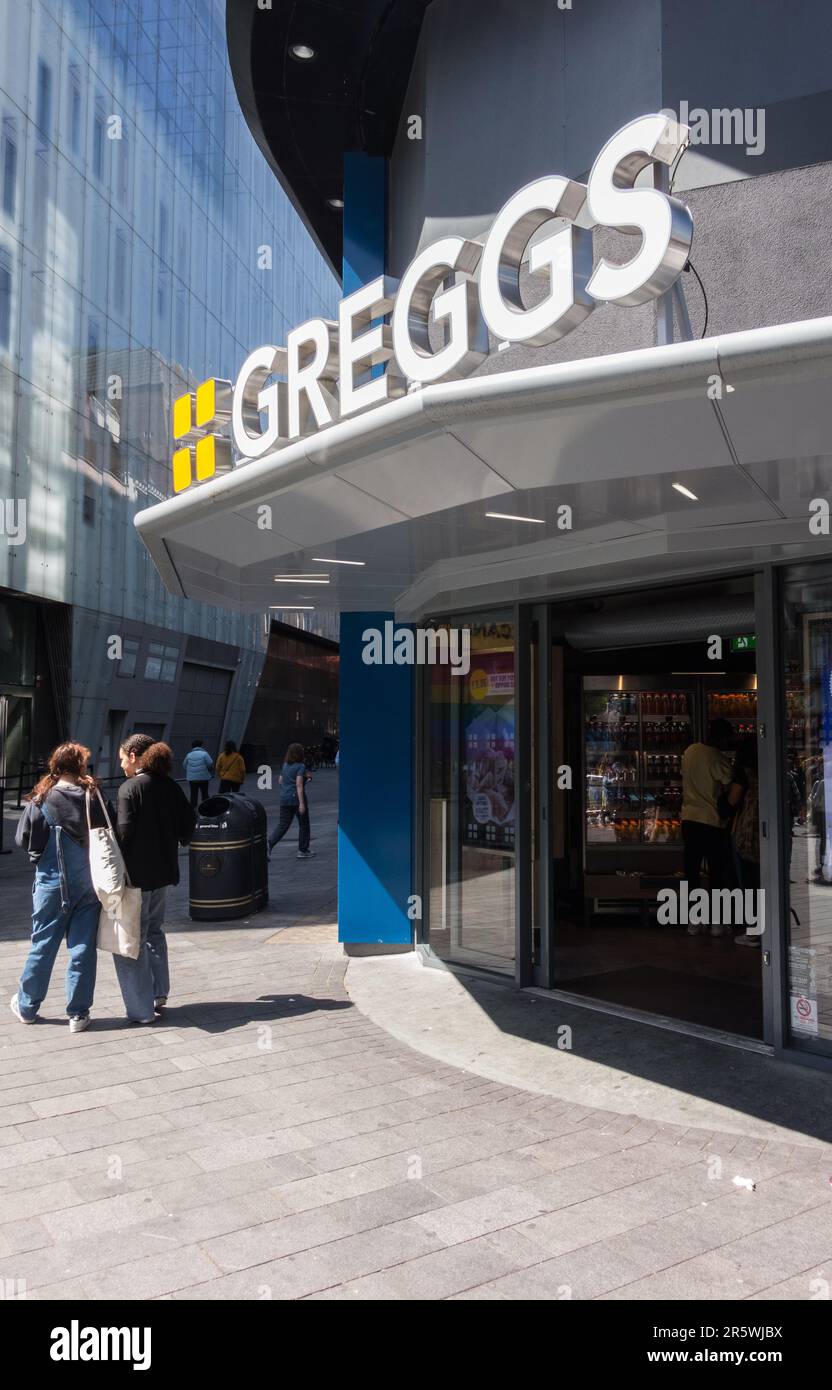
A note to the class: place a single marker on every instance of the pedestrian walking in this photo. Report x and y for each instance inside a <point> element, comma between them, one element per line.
<point>231,769</point>
<point>293,802</point>
<point>54,830</point>
<point>198,770</point>
<point>154,819</point>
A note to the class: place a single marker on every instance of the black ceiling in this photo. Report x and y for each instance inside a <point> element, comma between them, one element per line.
<point>305,115</point>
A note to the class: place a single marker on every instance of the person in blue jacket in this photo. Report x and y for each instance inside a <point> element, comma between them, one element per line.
<point>65,907</point>
<point>198,770</point>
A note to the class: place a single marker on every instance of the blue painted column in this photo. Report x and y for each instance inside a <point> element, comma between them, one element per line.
<point>365,219</point>
<point>375,829</point>
<point>376,721</point>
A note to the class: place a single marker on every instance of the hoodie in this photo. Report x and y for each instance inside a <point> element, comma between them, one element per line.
<point>66,805</point>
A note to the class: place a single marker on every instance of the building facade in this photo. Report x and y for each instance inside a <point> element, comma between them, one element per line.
<point>590,455</point>
<point>143,244</point>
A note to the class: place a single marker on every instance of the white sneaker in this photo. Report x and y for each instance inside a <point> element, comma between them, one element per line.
<point>746,939</point>
<point>15,1008</point>
<point>160,1003</point>
<point>77,1023</point>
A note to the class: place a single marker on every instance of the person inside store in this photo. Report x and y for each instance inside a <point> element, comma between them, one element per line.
<point>199,770</point>
<point>231,769</point>
<point>706,772</point>
<point>54,831</point>
<point>743,802</point>
<point>154,819</point>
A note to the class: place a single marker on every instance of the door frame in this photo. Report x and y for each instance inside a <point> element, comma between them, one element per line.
<point>539,799</point>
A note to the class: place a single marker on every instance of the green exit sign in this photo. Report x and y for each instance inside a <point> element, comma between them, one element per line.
<point>744,644</point>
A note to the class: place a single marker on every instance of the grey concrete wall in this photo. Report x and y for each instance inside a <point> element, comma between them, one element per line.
<point>510,92</point>
<point>760,247</point>
<point>506,96</point>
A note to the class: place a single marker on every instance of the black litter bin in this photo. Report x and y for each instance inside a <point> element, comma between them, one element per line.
<point>229,874</point>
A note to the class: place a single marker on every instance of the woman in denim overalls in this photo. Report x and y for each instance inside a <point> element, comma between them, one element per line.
<point>53,829</point>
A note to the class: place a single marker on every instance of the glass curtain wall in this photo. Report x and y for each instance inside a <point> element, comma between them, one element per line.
<point>144,246</point>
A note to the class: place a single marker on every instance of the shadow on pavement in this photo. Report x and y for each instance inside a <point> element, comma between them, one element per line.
<point>218,1017</point>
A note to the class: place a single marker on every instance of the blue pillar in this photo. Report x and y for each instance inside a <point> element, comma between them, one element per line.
<point>375,830</point>
<point>365,219</point>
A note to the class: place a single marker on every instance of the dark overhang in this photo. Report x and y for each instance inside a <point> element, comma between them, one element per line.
<point>306,112</point>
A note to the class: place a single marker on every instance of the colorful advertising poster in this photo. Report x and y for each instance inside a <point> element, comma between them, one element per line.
<point>488,746</point>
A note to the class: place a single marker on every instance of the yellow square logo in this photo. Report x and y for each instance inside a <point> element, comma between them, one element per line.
<point>181,469</point>
<point>205,458</point>
<point>198,416</point>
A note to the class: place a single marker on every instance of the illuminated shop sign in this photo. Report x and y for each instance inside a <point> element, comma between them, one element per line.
<point>463,289</point>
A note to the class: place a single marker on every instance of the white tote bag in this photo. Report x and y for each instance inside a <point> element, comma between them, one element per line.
<point>120,922</point>
<point>106,860</point>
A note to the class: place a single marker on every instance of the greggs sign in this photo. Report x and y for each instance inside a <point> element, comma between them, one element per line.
<point>466,288</point>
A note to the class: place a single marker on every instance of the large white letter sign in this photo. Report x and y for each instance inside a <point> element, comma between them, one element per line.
<point>369,349</point>
<point>466,336</point>
<point>457,290</point>
<point>665,224</point>
<point>312,355</point>
<point>250,398</point>
<point>565,257</point>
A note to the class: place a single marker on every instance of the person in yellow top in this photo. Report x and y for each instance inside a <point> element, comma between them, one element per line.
<point>706,771</point>
<point>231,769</point>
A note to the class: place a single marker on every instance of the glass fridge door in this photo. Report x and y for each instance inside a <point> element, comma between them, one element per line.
<point>666,731</point>
<point>611,758</point>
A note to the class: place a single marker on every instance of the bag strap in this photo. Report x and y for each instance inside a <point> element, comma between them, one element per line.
<point>103,807</point>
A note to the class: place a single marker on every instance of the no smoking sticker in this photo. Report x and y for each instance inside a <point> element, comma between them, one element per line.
<point>804,1013</point>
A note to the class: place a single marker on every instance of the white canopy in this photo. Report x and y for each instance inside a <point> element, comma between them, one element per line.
<point>405,487</point>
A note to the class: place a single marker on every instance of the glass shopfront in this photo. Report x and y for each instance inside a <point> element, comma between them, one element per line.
<point>807,614</point>
<point>554,785</point>
<point>471,832</point>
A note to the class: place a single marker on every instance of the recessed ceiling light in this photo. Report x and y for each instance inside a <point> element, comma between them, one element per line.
<point>291,608</point>
<point>685,491</point>
<point>322,560</point>
<point>507,516</point>
<point>302,52</point>
<point>335,203</point>
<point>301,579</point>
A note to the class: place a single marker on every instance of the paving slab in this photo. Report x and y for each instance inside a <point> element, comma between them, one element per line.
<point>274,1136</point>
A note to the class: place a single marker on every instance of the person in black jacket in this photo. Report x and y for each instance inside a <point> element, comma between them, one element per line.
<point>154,819</point>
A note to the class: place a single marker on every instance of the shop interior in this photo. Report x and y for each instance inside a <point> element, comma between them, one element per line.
<point>640,679</point>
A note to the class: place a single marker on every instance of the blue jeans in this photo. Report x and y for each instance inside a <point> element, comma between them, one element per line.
<point>64,906</point>
<point>146,978</point>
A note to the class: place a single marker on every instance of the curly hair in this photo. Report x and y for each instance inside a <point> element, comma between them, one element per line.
<point>137,744</point>
<point>158,760</point>
<point>67,760</point>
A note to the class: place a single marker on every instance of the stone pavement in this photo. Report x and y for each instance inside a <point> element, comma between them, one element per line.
<point>267,1139</point>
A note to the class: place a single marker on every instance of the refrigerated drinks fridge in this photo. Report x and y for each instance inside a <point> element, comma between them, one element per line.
<point>634,739</point>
